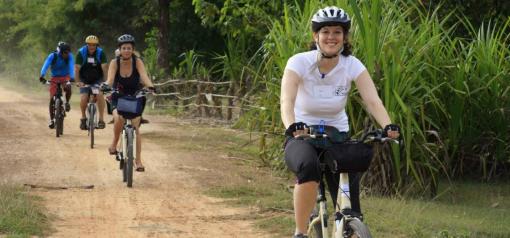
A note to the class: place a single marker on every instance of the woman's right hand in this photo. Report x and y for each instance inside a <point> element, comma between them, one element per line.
<point>296,129</point>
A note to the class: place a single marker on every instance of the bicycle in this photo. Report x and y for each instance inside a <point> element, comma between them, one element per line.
<point>346,222</point>
<point>58,108</point>
<point>91,112</point>
<point>127,152</point>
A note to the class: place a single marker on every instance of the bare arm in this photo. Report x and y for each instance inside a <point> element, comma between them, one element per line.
<point>77,73</point>
<point>289,88</point>
<point>111,72</point>
<point>104,67</point>
<point>143,73</point>
<point>372,101</point>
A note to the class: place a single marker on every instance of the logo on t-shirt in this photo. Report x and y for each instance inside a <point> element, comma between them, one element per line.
<point>341,91</point>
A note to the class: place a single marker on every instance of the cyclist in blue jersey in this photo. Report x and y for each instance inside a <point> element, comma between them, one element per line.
<point>90,69</point>
<point>61,63</point>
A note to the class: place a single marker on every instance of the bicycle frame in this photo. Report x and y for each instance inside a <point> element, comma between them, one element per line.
<point>93,91</point>
<point>92,106</point>
<point>58,109</point>
<point>126,155</point>
<point>343,202</point>
<point>128,124</point>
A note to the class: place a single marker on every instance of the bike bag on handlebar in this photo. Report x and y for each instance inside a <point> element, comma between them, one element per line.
<point>130,106</point>
<point>350,156</point>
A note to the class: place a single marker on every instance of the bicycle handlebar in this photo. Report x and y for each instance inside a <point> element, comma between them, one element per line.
<point>374,135</point>
<point>139,93</point>
<point>313,136</point>
<point>90,85</point>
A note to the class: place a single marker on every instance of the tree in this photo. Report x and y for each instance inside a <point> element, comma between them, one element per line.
<point>162,55</point>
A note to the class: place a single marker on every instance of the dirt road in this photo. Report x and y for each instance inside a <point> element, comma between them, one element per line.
<point>164,202</point>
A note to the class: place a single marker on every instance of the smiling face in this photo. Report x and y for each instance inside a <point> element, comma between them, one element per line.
<point>126,50</point>
<point>330,39</point>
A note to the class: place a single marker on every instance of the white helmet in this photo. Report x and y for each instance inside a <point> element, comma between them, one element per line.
<point>331,16</point>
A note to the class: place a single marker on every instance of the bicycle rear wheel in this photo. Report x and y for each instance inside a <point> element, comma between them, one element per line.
<point>59,124</point>
<point>356,229</point>
<point>130,156</point>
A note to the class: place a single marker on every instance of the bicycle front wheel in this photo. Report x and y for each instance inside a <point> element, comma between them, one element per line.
<point>130,156</point>
<point>356,229</point>
<point>91,124</point>
<point>59,120</point>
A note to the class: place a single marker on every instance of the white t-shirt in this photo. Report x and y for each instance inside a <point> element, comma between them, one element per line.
<point>323,97</point>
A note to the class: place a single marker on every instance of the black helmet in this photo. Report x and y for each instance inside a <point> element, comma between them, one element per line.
<point>63,47</point>
<point>331,16</point>
<point>126,38</point>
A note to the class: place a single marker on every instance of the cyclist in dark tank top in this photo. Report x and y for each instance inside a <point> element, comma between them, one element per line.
<point>126,73</point>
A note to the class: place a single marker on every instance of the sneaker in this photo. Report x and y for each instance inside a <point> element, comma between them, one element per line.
<point>83,124</point>
<point>68,107</point>
<point>51,124</point>
<point>300,236</point>
<point>100,125</point>
<point>144,121</point>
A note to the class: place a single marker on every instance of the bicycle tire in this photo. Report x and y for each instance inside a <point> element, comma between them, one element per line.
<point>58,117</point>
<point>121,163</point>
<point>124,171</point>
<point>92,114</point>
<point>123,156</point>
<point>357,229</point>
<point>130,157</point>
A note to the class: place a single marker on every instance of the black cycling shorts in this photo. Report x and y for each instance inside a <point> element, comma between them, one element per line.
<point>302,158</point>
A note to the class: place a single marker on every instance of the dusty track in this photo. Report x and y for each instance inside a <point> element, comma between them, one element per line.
<point>165,201</point>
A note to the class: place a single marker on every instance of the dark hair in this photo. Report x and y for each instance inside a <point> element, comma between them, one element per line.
<point>347,47</point>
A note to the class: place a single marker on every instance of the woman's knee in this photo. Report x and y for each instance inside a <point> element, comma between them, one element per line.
<point>302,159</point>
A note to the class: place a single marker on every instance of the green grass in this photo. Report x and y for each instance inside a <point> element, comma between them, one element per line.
<point>21,214</point>
<point>472,217</point>
<point>482,215</point>
<point>462,209</point>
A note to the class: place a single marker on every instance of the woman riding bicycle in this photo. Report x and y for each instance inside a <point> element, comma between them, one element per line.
<point>314,90</point>
<point>125,74</point>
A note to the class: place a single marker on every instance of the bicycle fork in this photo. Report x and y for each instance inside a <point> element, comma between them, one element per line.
<point>124,138</point>
<point>322,213</point>
<point>344,199</point>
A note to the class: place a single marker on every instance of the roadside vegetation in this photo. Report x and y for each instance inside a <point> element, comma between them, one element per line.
<point>466,209</point>
<point>21,214</point>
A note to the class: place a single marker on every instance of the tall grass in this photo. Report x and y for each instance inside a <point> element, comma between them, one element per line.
<point>448,94</point>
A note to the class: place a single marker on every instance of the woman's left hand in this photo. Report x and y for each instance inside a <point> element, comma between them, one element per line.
<point>392,131</point>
